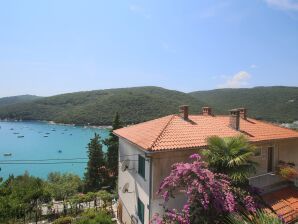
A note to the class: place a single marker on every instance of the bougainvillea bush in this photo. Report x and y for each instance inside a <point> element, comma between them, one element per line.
<point>210,196</point>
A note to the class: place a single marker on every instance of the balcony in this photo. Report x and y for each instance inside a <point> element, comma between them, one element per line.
<point>266,180</point>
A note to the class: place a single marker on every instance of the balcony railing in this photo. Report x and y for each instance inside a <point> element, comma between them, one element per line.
<point>265,180</point>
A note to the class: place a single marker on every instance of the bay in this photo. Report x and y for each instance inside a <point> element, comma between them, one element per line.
<point>58,148</point>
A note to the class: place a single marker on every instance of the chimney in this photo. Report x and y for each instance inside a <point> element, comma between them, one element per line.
<point>234,119</point>
<point>207,111</point>
<point>243,113</point>
<point>183,111</point>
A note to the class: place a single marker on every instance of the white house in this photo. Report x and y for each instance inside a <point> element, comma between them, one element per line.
<point>147,151</point>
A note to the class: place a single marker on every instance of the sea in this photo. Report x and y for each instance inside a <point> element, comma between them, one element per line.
<point>41,147</point>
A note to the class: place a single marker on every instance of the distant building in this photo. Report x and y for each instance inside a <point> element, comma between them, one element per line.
<point>147,151</point>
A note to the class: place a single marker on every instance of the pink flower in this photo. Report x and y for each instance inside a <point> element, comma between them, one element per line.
<point>195,156</point>
<point>204,190</point>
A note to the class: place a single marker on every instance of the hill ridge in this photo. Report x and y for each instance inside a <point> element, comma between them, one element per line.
<point>137,104</point>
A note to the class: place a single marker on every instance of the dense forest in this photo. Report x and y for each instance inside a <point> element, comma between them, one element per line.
<point>278,104</point>
<point>6,101</point>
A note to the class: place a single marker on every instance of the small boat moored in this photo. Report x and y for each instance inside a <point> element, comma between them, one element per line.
<point>7,154</point>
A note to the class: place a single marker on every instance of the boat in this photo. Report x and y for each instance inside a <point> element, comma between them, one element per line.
<point>16,133</point>
<point>59,151</point>
<point>21,136</point>
<point>47,133</point>
<point>53,130</point>
<point>7,154</point>
<point>45,136</point>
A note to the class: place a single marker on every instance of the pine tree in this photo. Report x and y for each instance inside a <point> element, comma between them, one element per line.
<point>112,143</point>
<point>96,172</point>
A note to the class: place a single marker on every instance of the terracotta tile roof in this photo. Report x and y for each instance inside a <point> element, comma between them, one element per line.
<point>173,132</point>
<point>284,202</point>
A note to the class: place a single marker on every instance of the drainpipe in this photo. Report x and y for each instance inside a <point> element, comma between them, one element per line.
<point>150,187</point>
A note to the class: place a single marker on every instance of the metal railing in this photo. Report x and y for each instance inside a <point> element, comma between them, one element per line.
<point>265,180</point>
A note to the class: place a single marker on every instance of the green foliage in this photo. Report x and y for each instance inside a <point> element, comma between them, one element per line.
<point>99,107</point>
<point>231,156</point>
<point>95,217</point>
<point>63,220</point>
<point>277,104</point>
<point>96,174</point>
<point>21,195</point>
<point>62,186</point>
<point>288,172</point>
<point>6,101</point>
<point>112,144</point>
<point>260,217</point>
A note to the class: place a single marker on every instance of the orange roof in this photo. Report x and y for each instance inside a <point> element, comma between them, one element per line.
<point>284,202</point>
<point>173,132</point>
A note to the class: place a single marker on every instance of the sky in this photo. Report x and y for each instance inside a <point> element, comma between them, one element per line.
<point>58,46</point>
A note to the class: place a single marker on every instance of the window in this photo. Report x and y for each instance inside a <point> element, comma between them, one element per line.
<point>141,168</point>
<point>141,210</point>
<point>258,152</point>
<point>270,160</point>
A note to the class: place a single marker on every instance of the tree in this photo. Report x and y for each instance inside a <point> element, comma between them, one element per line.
<point>112,142</point>
<point>21,195</point>
<point>63,186</point>
<point>96,173</point>
<point>231,156</point>
<point>210,196</point>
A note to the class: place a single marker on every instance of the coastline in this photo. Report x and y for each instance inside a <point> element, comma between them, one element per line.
<point>59,123</point>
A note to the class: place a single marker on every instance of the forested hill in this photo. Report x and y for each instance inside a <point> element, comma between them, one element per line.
<point>278,104</point>
<point>6,101</point>
<point>99,107</point>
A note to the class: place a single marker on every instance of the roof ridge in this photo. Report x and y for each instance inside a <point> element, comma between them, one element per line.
<point>161,132</point>
<point>275,124</point>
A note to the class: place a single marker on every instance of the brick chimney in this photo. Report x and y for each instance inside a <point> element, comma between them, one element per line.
<point>235,119</point>
<point>243,113</point>
<point>183,111</point>
<point>207,111</point>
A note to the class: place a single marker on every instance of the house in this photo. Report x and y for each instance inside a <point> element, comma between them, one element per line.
<point>147,151</point>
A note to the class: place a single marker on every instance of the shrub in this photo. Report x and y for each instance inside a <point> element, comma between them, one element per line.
<point>288,172</point>
<point>259,217</point>
<point>210,196</point>
<point>63,220</point>
<point>95,217</point>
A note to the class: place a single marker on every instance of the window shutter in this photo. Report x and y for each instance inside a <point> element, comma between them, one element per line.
<point>141,210</point>
<point>141,169</point>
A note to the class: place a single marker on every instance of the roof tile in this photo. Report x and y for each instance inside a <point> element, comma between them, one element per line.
<point>172,132</point>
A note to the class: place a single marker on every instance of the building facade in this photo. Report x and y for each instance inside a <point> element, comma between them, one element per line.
<point>148,150</point>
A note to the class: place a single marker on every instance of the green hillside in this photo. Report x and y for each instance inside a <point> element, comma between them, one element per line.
<point>6,101</point>
<point>278,104</point>
<point>99,107</point>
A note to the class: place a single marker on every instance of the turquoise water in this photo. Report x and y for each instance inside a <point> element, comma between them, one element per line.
<point>71,141</point>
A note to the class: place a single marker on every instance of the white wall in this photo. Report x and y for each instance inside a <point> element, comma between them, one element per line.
<point>138,186</point>
<point>161,168</point>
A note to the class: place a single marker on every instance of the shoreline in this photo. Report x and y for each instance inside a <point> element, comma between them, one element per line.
<point>59,123</point>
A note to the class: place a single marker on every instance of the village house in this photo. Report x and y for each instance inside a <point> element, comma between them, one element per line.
<point>147,151</point>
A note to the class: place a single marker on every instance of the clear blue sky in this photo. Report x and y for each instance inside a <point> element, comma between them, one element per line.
<point>56,46</point>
